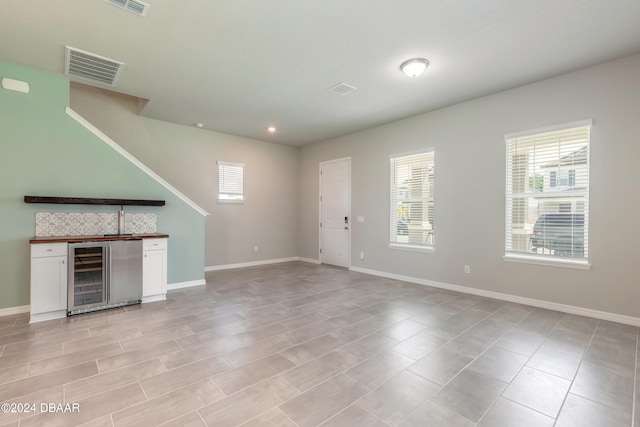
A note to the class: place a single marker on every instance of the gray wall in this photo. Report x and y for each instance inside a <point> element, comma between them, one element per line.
<point>186,157</point>
<point>469,196</point>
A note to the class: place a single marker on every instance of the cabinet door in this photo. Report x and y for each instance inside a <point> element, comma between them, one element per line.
<point>48,284</point>
<point>154,273</point>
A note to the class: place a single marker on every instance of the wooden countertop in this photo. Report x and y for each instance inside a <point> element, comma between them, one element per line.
<point>96,238</point>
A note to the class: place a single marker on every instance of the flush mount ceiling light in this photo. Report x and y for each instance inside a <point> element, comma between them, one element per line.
<point>271,129</point>
<point>414,67</point>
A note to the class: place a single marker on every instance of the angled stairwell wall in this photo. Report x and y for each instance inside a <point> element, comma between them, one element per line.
<point>47,149</point>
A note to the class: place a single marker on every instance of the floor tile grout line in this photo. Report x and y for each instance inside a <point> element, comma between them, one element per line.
<point>525,365</point>
<point>310,324</point>
<point>343,372</point>
<point>288,417</point>
<point>466,366</point>
<point>200,416</point>
<point>524,406</point>
<point>317,357</point>
<point>480,355</point>
<point>148,399</point>
<point>582,360</point>
<point>546,337</point>
<point>355,403</point>
<point>584,354</point>
<point>264,412</point>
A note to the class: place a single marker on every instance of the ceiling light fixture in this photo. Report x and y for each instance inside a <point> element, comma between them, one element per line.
<point>414,67</point>
<point>198,125</point>
<point>271,129</point>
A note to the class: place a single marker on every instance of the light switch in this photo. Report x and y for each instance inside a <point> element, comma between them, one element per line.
<point>360,218</point>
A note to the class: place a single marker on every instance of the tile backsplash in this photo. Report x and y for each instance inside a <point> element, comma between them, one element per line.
<point>88,224</point>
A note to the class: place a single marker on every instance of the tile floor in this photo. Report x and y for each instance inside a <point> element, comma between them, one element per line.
<point>297,344</point>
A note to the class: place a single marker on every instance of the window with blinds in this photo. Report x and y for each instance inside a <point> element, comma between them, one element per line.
<point>230,182</point>
<point>547,192</point>
<point>411,197</point>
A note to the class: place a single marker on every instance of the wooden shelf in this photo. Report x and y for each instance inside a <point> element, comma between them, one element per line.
<point>91,201</point>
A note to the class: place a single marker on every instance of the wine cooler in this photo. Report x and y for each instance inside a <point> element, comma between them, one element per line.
<point>104,275</point>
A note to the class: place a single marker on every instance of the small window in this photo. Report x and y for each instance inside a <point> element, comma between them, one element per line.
<point>547,194</point>
<point>411,197</point>
<point>230,182</point>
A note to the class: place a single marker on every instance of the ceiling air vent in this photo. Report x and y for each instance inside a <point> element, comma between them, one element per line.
<point>342,88</point>
<point>88,66</point>
<point>133,6</point>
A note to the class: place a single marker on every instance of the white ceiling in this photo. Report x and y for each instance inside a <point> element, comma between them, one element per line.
<point>239,66</point>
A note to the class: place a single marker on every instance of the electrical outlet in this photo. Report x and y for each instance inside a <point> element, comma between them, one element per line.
<point>362,255</point>
<point>467,269</point>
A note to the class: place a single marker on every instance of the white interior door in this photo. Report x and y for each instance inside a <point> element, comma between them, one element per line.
<point>335,215</point>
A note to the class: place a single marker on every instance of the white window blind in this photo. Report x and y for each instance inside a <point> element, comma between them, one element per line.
<point>230,182</point>
<point>411,198</point>
<point>547,193</point>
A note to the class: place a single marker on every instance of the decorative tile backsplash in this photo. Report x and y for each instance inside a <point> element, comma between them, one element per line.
<point>89,224</point>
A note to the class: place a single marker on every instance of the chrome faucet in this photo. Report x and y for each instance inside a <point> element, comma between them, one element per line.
<point>121,220</point>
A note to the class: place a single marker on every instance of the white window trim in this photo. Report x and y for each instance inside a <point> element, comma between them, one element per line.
<point>545,129</point>
<point>231,201</point>
<point>409,247</point>
<point>412,248</point>
<point>550,261</point>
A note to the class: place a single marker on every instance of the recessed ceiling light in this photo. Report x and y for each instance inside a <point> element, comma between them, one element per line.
<point>198,125</point>
<point>271,129</point>
<point>414,67</point>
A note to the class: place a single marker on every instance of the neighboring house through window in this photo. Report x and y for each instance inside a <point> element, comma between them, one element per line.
<point>230,182</point>
<point>547,193</point>
<point>411,200</point>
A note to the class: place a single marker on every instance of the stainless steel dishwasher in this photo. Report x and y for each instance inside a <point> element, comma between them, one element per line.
<point>104,275</point>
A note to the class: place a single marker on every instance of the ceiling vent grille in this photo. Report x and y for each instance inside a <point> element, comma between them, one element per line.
<point>342,88</point>
<point>88,66</point>
<point>133,6</point>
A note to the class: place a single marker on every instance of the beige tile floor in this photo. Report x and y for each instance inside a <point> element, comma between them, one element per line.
<point>297,344</point>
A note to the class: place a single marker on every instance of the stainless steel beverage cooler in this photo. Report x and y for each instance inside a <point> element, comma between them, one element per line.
<point>104,275</point>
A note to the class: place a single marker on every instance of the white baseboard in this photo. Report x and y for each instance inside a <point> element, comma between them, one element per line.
<point>41,317</point>
<point>154,298</point>
<point>309,260</point>
<point>180,285</point>
<point>15,310</point>
<point>581,311</point>
<point>250,264</point>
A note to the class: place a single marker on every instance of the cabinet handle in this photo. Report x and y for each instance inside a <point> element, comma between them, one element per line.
<point>49,250</point>
<point>62,262</point>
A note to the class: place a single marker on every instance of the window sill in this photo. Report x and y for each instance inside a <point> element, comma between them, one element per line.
<point>230,202</point>
<point>398,246</point>
<point>551,262</point>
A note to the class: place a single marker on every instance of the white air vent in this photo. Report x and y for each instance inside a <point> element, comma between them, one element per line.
<point>91,67</point>
<point>133,6</point>
<point>342,88</point>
